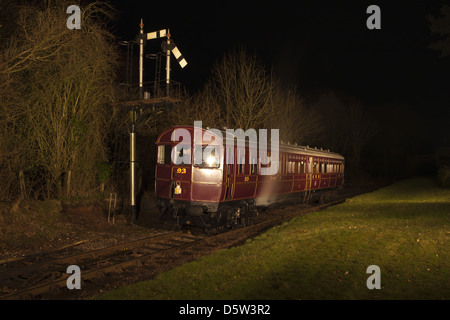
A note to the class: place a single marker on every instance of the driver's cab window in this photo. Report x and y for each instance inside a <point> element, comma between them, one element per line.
<point>164,154</point>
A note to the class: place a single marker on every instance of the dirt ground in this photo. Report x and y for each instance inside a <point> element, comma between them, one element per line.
<point>83,224</point>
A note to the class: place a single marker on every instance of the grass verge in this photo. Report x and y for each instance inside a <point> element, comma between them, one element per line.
<point>403,229</point>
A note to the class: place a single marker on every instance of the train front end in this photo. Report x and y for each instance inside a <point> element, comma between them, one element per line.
<point>189,175</point>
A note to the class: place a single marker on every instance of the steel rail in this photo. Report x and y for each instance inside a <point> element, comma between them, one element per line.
<point>33,273</point>
<point>61,282</point>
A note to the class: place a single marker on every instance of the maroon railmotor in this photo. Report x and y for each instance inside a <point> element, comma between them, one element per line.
<point>221,191</point>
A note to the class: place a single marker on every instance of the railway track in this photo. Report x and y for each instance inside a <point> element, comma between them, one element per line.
<point>38,276</point>
<point>35,279</point>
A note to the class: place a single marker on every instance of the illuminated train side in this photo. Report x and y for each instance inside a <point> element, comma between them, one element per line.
<point>221,193</point>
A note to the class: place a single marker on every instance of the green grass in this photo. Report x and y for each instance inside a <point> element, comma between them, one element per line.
<point>403,228</point>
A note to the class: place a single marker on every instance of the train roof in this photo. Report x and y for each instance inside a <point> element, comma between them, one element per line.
<point>307,150</point>
<point>284,147</point>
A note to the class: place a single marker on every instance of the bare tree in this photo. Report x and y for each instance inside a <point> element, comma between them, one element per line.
<point>202,106</point>
<point>332,113</point>
<point>244,89</point>
<point>296,121</point>
<point>60,83</point>
<point>362,127</point>
<point>349,126</point>
<point>241,94</point>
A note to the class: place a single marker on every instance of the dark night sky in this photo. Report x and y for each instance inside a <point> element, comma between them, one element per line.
<point>319,45</point>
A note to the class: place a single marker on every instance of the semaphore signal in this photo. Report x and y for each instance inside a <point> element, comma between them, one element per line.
<point>167,46</point>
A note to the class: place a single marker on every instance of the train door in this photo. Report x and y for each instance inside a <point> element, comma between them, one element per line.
<point>229,172</point>
<point>308,177</point>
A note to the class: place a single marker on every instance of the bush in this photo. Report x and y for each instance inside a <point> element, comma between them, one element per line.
<point>104,170</point>
<point>444,176</point>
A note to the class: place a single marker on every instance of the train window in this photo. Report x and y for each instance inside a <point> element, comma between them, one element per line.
<point>314,167</point>
<point>230,156</point>
<point>161,154</point>
<point>253,161</point>
<point>241,160</point>
<point>254,165</point>
<point>263,158</point>
<point>320,167</point>
<point>164,153</point>
<point>182,154</point>
<point>167,154</point>
<point>302,167</point>
<point>209,155</point>
<point>281,164</point>
<point>285,165</point>
<point>325,168</point>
